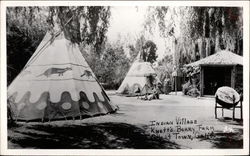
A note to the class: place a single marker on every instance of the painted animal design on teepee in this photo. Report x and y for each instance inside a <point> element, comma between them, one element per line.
<point>55,87</point>
<point>58,71</point>
<point>87,73</point>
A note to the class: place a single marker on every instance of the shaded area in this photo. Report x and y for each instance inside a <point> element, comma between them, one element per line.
<point>84,136</point>
<point>112,132</point>
<point>230,137</point>
<point>232,140</point>
<point>230,121</point>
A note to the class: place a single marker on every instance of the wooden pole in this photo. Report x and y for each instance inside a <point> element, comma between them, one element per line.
<point>233,75</point>
<point>175,85</point>
<point>241,107</point>
<point>201,80</point>
<point>215,109</point>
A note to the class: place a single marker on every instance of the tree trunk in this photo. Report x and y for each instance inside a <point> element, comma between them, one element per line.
<point>217,43</point>
<point>207,40</point>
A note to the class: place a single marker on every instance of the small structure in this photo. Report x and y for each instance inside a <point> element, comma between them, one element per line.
<point>223,68</point>
<point>140,74</point>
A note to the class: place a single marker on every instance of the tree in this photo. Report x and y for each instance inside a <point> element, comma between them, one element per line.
<point>25,29</point>
<point>149,52</point>
<point>113,66</point>
<point>82,24</point>
<point>26,26</point>
<point>138,47</point>
<point>146,48</point>
<point>197,32</point>
<point>165,67</point>
<point>133,52</point>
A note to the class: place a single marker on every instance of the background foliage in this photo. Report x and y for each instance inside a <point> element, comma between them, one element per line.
<point>26,26</point>
<point>190,33</point>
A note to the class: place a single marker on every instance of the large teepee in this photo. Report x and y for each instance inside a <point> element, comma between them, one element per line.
<point>137,77</point>
<point>57,83</point>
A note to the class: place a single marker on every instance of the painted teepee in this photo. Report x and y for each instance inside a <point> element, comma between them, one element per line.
<point>137,77</point>
<point>57,83</point>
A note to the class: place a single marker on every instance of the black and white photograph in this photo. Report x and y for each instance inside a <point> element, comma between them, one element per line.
<point>141,76</point>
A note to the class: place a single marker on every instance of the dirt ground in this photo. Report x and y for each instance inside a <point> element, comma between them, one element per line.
<point>172,122</point>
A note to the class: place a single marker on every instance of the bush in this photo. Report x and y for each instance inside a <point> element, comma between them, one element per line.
<point>190,89</point>
<point>194,92</point>
<point>186,87</point>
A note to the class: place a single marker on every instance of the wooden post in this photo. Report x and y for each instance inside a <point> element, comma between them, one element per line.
<point>234,107</point>
<point>241,107</point>
<point>233,77</point>
<point>215,109</point>
<point>175,84</point>
<point>201,80</point>
<point>233,112</point>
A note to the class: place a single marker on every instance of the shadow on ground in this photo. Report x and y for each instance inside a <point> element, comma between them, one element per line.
<point>84,136</point>
<point>232,137</point>
<point>229,138</point>
<point>232,140</point>
<point>230,121</point>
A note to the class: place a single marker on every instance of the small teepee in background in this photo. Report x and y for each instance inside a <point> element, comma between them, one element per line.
<point>57,83</point>
<point>137,77</point>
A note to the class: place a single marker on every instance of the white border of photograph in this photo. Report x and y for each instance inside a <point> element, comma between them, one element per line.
<point>3,144</point>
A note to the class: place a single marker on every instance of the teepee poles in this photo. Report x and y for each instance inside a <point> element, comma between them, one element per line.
<point>47,43</point>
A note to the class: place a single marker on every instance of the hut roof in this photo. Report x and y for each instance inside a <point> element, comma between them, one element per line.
<point>223,57</point>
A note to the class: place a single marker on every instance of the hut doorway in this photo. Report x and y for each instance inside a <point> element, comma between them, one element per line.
<point>215,77</point>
